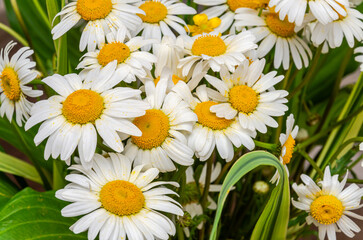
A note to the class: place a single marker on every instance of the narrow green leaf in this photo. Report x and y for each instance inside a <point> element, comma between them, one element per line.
<point>12,165</point>
<point>7,189</point>
<point>273,221</point>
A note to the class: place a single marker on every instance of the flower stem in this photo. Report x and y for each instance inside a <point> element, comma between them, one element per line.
<point>268,146</point>
<point>14,34</point>
<point>312,163</point>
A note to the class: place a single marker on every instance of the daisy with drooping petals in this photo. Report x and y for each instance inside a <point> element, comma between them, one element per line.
<point>118,201</point>
<point>211,131</point>
<point>349,27</point>
<point>211,50</point>
<point>359,57</point>
<point>275,33</point>
<point>190,199</point>
<point>102,17</point>
<point>159,16</point>
<point>287,142</point>
<point>131,62</point>
<point>329,207</point>
<point>225,10</point>
<point>325,11</point>
<point>202,24</point>
<point>163,126</point>
<point>72,117</point>
<point>249,95</point>
<point>14,74</point>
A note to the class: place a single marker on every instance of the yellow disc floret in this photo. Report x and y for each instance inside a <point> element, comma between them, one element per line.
<point>208,119</point>
<point>254,4</point>
<point>10,84</point>
<point>326,209</point>
<point>289,144</point>
<point>154,126</point>
<point>154,12</point>
<point>122,198</point>
<point>83,106</point>
<point>113,51</point>
<point>91,10</point>
<point>209,45</point>
<point>244,99</point>
<point>280,28</point>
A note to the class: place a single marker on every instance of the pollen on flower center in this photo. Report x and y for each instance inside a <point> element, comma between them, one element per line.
<point>281,28</point>
<point>154,11</point>
<point>326,209</point>
<point>154,126</point>
<point>254,4</point>
<point>289,144</point>
<point>209,45</point>
<point>83,106</point>
<point>91,10</point>
<point>244,99</point>
<point>10,84</point>
<point>113,51</point>
<point>208,119</point>
<point>122,198</point>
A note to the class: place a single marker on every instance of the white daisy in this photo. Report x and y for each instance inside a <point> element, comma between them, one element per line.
<point>249,95</point>
<point>72,117</point>
<point>211,50</point>
<point>225,10</point>
<point>329,207</point>
<point>159,16</point>
<point>275,33</point>
<point>359,57</point>
<point>163,127</point>
<point>287,142</point>
<point>349,27</point>
<point>211,131</point>
<point>102,17</point>
<point>191,195</point>
<point>14,74</point>
<point>131,62</point>
<point>119,202</point>
<point>325,11</point>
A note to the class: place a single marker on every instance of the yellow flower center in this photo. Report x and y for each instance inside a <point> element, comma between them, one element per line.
<point>326,209</point>
<point>154,11</point>
<point>244,99</point>
<point>113,51</point>
<point>254,4</point>
<point>154,126</point>
<point>202,24</point>
<point>208,119</point>
<point>209,45</point>
<point>83,106</point>
<point>175,79</point>
<point>10,84</point>
<point>91,10</point>
<point>281,28</point>
<point>289,144</point>
<point>122,198</point>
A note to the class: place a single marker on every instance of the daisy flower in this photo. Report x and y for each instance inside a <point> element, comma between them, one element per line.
<point>119,201</point>
<point>211,131</point>
<point>102,17</point>
<point>287,142</point>
<point>330,206</point>
<point>202,24</point>
<point>359,57</point>
<point>163,127</point>
<point>14,74</point>
<point>325,11</point>
<point>275,33</point>
<point>191,199</point>
<point>225,10</point>
<point>72,117</point>
<point>249,95</point>
<point>211,50</point>
<point>349,27</point>
<point>131,62</point>
<point>160,16</point>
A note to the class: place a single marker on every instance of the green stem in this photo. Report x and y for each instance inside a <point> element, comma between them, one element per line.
<point>312,163</point>
<point>355,162</point>
<point>179,231</point>
<point>14,34</point>
<point>41,12</point>
<point>268,146</point>
<point>204,199</point>
<point>58,176</point>
<point>359,181</point>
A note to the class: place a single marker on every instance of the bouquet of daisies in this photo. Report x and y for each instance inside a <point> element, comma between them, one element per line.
<point>167,119</point>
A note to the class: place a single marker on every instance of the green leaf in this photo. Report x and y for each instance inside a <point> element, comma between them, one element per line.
<point>7,189</point>
<point>12,165</point>
<point>33,215</point>
<point>273,221</point>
